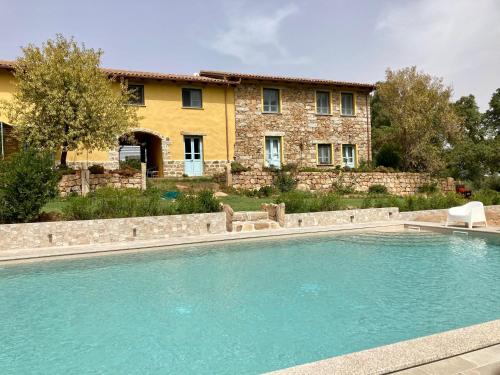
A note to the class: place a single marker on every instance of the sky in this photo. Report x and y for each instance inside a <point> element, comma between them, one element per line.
<point>355,40</point>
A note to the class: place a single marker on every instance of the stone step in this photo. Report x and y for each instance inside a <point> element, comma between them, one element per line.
<point>250,215</point>
<point>252,225</point>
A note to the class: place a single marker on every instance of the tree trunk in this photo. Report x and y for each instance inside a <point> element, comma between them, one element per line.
<point>64,155</point>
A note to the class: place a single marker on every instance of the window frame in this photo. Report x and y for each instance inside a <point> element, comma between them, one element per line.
<point>190,89</point>
<point>142,97</point>
<point>353,95</point>
<point>330,104</point>
<point>278,90</point>
<point>330,145</point>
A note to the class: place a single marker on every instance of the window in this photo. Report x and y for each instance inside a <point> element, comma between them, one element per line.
<point>347,104</point>
<point>191,98</point>
<point>137,97</point>
<point>349,155</point>
<point>322,102</point>
<point>271,100</point>
<point>325,154</point>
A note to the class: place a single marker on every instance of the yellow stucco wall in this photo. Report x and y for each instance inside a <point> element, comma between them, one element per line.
<point>6,89</point>
<point>163,113</point>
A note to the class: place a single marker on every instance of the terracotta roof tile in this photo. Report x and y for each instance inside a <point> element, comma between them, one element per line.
<point>316,81</point>
<point>144,75</point>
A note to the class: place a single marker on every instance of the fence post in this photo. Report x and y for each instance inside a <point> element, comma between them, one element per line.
<point>143,176</point>
<point>85,178</point>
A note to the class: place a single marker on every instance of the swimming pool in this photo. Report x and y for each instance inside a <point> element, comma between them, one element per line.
<point>242,308</point>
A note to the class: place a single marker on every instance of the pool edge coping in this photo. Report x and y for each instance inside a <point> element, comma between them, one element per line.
<point>403,355</point>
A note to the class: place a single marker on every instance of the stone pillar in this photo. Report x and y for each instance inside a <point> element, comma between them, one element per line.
<point>85,180</point>
<point>143,176</point>
<point>229,216</point>
<point>229,175</point>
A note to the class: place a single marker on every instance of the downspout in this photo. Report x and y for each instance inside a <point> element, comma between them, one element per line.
<point>227,122</point>
<point>368,138</point>
<point>1,139</point>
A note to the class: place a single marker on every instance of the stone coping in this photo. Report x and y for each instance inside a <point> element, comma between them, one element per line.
<point>405,354</point>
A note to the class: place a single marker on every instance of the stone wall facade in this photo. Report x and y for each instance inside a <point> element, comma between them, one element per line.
<point>83,182</point>
<point>397,183</point>
<point>298,124</point>
<point>175,168</point>
<point>84,232</point>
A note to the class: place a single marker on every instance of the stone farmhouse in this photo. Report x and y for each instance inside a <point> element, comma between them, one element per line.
<point>307,122</point>
<point>196,124</point>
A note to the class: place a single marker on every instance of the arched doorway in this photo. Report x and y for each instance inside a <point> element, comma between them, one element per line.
<point>8,142</point>
<point>143,146</point>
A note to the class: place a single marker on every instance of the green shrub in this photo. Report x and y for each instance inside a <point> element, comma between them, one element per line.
<point>27,182</point>
<point>108,203</point>
<point>414,202</point>
<point>96,169</point>
<point>284,181</point>
<point>203,201</point>
<point>266,191</point>
<point>131,164</point>
<point>492,183</point>
<point>300,201</point>
<point>429,188</point>
<point>487,196</point>
<point>238,167</point>
<point>377,189</point>
<point>388,156</point>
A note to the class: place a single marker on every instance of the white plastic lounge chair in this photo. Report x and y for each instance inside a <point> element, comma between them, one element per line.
<point>470,213</point>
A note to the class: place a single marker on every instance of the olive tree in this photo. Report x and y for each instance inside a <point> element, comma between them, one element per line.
<point>64,101</point>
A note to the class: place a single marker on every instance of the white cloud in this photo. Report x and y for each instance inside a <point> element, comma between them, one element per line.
<point>457,39</point>
<point>255,38</point>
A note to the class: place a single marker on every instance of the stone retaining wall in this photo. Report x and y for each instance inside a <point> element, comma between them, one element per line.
<point>402,183</point>
<point>82,232</point>
<point>314,219</point>
<point>83,182</point>
<point>417,215</point>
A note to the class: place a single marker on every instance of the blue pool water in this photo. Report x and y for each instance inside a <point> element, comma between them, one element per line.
<point>242,308</point>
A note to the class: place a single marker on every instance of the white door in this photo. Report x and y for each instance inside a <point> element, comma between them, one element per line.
<point>273,152</point>
<point>193,156</point>
<point>349,155</point>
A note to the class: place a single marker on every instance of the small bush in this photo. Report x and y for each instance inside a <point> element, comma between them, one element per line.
<point>487,196</point>
<point>388,156</point>
<point>429,188</point>
<point>96,169</point>
<point>27,182</point>
<point>266,191</point>
<point>415,202</point>
<point>284,181</point>
<point>238,167</point>
<point>300,201</point>
<point>131,164</point>
<point>377,189</point>
<point>492,183</point>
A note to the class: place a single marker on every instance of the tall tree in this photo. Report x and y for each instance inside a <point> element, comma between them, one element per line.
<point>64,101</point>
<point>467,108</point>
<point>492,115</point>
<point>422,118</point>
